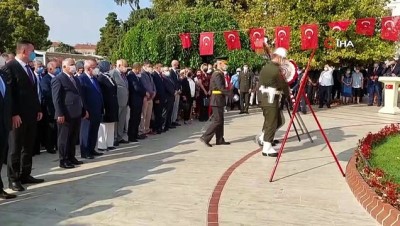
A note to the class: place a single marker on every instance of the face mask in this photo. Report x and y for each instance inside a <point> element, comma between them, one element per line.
<point>96,71</point>
<point>57,71</point>
<point>72,69</point>
<point>123,69</point>
<point>167,73</point>
<point>326,69</point>
<point>32,56</point>
<point>225,67</point>
<point>245,68</point>
<point>209,71</point>
<point>40,70</point>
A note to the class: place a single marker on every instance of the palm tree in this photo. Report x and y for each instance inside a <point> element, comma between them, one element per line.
<point>134,4</point>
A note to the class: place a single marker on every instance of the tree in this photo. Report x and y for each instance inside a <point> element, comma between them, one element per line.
<point>295,13</point>
<point>19,19</point>
<point>134,4</point>
<point>138,15</point>
<point>158,41</point>
<point>109,35</point>
<point>65,48</point>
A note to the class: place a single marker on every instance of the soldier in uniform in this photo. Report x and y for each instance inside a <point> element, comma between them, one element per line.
<point>217,102</point>
<point>272,86</point>
<point>245,88</point>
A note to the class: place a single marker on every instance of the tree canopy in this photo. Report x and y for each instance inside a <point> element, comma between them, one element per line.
<point>65,48</point>
<point>134,4</point>
<point>19,19</point>
<point>109,35</point>
<point>158,40</point>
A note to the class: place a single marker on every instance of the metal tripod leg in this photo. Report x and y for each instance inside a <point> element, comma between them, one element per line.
<point>290,115</point>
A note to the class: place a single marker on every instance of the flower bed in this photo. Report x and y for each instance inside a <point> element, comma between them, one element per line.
<point>376,178</point>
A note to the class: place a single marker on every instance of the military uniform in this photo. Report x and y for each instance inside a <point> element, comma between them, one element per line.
<point>217,102</point>
<point>245,84</point>
<point>270,76</point>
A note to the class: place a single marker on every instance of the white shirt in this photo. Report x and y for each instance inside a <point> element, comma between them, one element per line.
<point>326,78</point>
<point>192,86</point>
<point>51,75</point>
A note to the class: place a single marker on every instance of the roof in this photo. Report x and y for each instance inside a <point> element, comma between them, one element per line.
<point>55,44</point>
<point>85,46</point>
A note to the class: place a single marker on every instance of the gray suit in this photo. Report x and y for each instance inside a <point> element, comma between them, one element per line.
<point>123,96</point>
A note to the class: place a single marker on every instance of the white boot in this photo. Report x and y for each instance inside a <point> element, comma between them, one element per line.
<point>268,150</point>
<point>259,139</point>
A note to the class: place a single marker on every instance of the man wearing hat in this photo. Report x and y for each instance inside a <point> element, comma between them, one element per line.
<point>217,102</point>
<point>272,86</point>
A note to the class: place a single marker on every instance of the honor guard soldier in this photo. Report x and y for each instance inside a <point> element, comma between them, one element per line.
<point>272,86</point>
<point>217,102</point>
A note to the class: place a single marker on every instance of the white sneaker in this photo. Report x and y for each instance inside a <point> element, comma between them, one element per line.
<point>268,150</point>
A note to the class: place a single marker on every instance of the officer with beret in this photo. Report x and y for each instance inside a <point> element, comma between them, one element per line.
<point>217,102</point>
<point>272,86</point>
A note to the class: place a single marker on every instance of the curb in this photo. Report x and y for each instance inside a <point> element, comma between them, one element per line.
<point>384,213</point>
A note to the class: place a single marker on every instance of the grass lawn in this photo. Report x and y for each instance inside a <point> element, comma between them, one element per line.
<point>387,157</point>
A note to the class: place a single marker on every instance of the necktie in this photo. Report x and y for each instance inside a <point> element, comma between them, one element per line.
<point>31,77</point>
<point>94,81</point>
<point>73,81</point>
<point>2,87</point>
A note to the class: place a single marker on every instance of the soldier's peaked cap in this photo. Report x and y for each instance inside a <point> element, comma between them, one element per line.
<point>221,58</point>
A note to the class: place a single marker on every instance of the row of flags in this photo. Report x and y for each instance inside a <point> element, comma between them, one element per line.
<point>390,27</point>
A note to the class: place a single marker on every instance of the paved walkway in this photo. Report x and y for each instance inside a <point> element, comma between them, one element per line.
<point>169,179</point>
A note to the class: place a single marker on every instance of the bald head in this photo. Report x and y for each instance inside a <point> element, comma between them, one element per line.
<point>51,67</point>
<point>175,64</point>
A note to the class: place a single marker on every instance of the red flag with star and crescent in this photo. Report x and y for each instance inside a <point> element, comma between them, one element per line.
<point>340,25</point>
<point>282,37</point>
<point>257,38</point>
<point>185,40</point>
<point>232,40</point>
<point>390,28</point>
<point>206,45</point>
<point>365,26</point>
<point>309,36</point>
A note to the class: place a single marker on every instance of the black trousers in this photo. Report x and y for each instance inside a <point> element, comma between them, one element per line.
<point>216,127</point>
<point>50,131</point>
<point>21,142</point>
<point>273,120</point>
<point>167,113</point>
<point>158,115</point>
<point>68,136</point>
<point>3,149</point>
<point>40,136</point>
<point>134,121</point>
<point>325,95</point>
<point>203,111</point>
<point>244,102</point>
<point>187,109</point>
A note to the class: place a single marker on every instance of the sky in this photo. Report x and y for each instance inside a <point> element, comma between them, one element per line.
<point>79,21</point>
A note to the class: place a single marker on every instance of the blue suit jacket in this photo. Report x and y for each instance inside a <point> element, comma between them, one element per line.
<point>92,97</point>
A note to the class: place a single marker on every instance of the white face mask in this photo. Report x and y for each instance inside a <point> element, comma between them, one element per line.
<point>245,68</point>
<point>96,71</point>
<point>209,71</point>
<point>167,73</point>
<point>326,68</point>
<point>72,69</point>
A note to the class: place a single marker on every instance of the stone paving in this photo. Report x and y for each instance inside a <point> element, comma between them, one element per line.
<point>168,179</point>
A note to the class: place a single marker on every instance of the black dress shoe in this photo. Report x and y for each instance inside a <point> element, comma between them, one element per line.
<point>165,130</point>
<point>176,124</point>
<point>87,156</point>
<point>66,165</point>
<point>100,149</point>
<point>95,153</point>
<point>5,195</point>
<point>224,143</point>
<point>31,180</point>
<point>276,141</point>
<point>116,143</point>
<point>241,112</point>
<point>134,140</point>
<point>111,148</point>
<point>270,154</point>
<point>16,186</point>
<point>141,137</point>
<point>206,143</point>
<point>75,161</point>
<point>51,151</point>
<point>172,127</point>
<point>123,142</point>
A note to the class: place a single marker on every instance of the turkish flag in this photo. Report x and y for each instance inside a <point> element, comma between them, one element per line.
<point>309,36</point>
<point>340,25</point>
<point>206,43</point>
<point>365,26</point>
<point>390,28</point>
<point>257,38</point>
<point>185,40</point>
<point>282,37</point>
<point>232,40</point>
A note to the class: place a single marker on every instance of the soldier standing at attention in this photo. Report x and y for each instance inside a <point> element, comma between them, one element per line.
<point>245,88</point>
<point>217,102</point>
<point>272,86</point>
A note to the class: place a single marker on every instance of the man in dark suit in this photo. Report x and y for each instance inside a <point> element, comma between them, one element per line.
<point>174,75</point>
<point>93,103</point>
<point>170,99</point>
<point>218,92</point>
<point>159,99</point>
<point>26,113</point>
<point>137,92</point>
<point>50,126</point>
<point>245,87</point>
<point>68,106</point>
<point>5,126</point>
